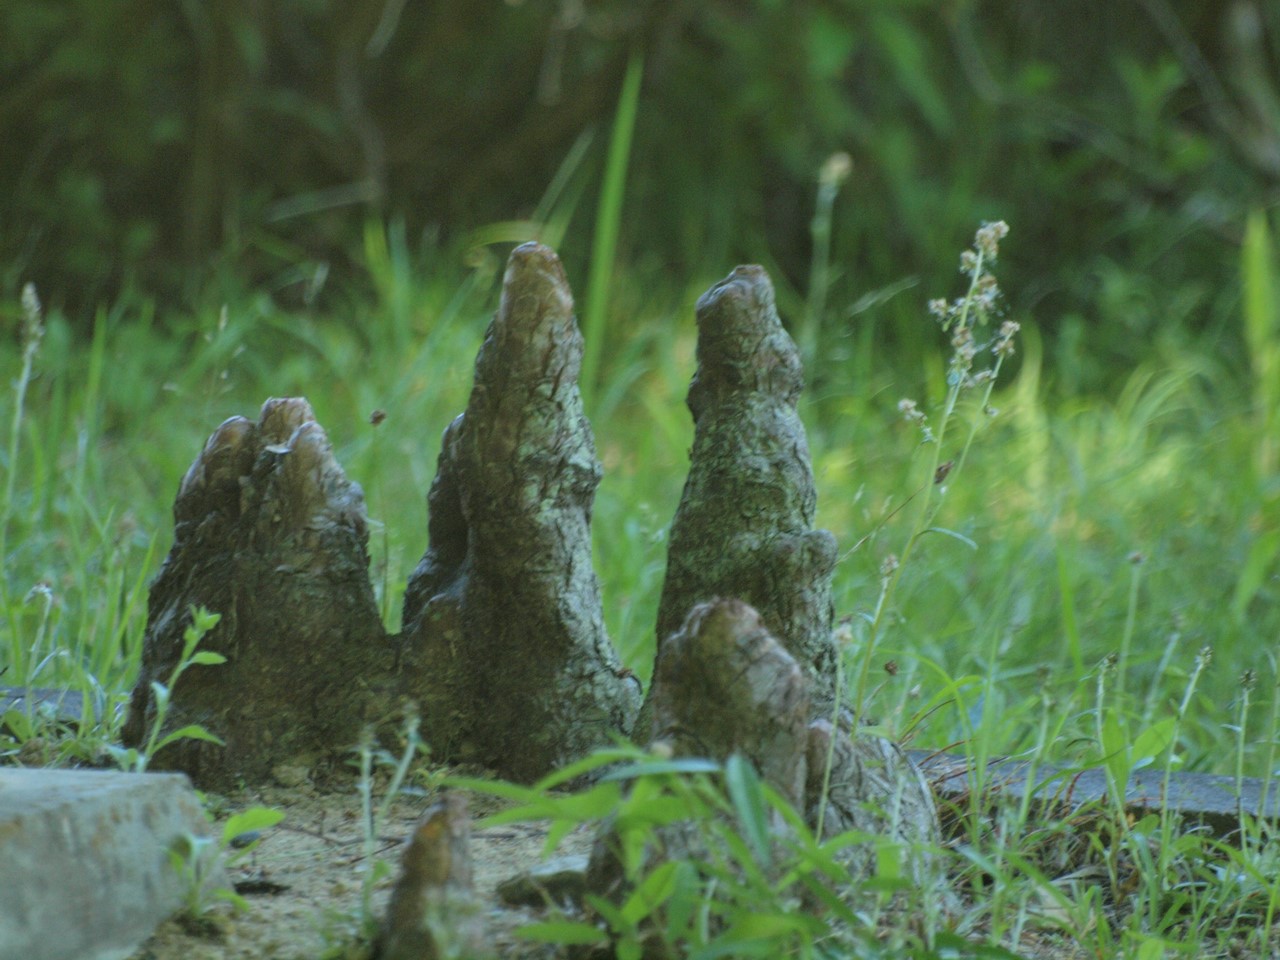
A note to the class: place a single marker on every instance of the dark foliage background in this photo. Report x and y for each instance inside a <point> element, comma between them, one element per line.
<point>165,145</point>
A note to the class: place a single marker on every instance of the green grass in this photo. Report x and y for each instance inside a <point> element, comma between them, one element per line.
<point>1146,522</point>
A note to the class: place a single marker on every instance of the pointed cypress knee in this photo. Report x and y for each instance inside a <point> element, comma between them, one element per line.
<point>744,527</point>
<point>272,536</point>
<point>504,639</point>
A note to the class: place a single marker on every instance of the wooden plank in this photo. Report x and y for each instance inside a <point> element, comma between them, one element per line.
<point>1215,801</point>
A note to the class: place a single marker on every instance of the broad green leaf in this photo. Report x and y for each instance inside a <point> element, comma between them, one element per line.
<point>609,910</point>
<point>255,818</point>
<point>745,792</point>
<point>1115,752</point>
<point>1152,742</point>
<point>593,761</point>
<point>497,788</point>
<point>563,932</point>
<point>685,896</point>
<point>652,892</point>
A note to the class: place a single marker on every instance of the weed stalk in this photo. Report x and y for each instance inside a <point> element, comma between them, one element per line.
<point>960,318</point>
<point>32,334</point>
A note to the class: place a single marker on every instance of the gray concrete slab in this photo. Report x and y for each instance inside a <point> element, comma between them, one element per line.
<point>84,864</point>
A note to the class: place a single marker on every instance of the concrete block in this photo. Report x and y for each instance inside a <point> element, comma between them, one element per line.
<point>84,865</point>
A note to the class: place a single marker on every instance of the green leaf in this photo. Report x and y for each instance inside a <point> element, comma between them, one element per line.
<point>650,768</point>
<point>593,761</point>
<point>954,535</point>
<point>1260,313</point>
<point>685,897</point>
<point>564,932</point>
<point>255,818</point>
<point>161,693</point>
<point>1115,753</point>
<point>1152,742</point>
<point>1154,948</point>
<point>238,903</point>
<point>652,892</point>
<point>657,811</point>
<point>189,732</point>
<point>497,788</point>
<point>608,218</point>
<point>745,793</point>
<point>207,658</point>
<point>609,910</point>
<point>1257,568</point>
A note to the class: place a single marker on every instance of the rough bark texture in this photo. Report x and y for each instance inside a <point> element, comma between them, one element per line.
<point>270,534</point>
<point>504,648</point>
<point>724,685</point>
<point>433,912</point>
<point>873,788</point>
<point>744,527</point>
<point>504,639</point>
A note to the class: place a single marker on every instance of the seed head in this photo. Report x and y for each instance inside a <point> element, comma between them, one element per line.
<point>836,169</point>
<point>987,239</point>
<point>32,318</point>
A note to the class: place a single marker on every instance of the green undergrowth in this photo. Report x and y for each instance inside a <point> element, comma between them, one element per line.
<point>1096,587</point>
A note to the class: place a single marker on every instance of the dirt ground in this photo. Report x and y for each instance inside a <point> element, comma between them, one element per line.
<point>303,884</point>
<point>303,881</point>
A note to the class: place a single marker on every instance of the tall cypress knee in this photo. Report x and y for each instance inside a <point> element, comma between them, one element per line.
<point>504,630</point>
<point>744,527</point>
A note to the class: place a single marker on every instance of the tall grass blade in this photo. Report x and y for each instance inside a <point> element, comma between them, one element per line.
<point>605,242</point>
<point>1262,333</point>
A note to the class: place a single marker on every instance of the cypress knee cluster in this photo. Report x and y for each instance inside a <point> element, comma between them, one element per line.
<point>503,651</point>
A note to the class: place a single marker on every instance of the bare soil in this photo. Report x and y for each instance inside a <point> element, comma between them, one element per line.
<point>303,881</point>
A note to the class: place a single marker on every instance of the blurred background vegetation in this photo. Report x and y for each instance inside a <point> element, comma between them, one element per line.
<point>226,200</point>
<point>182,150</point>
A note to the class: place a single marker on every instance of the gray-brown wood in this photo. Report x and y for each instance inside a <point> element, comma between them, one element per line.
<point>744,527</point>
<point>433,912</point>
<point>270,534</point>
<point>504,639</point>
<point>1213,802</point>
<point>504,650</point>
<point>874,788</point>
<point>724,685</point>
